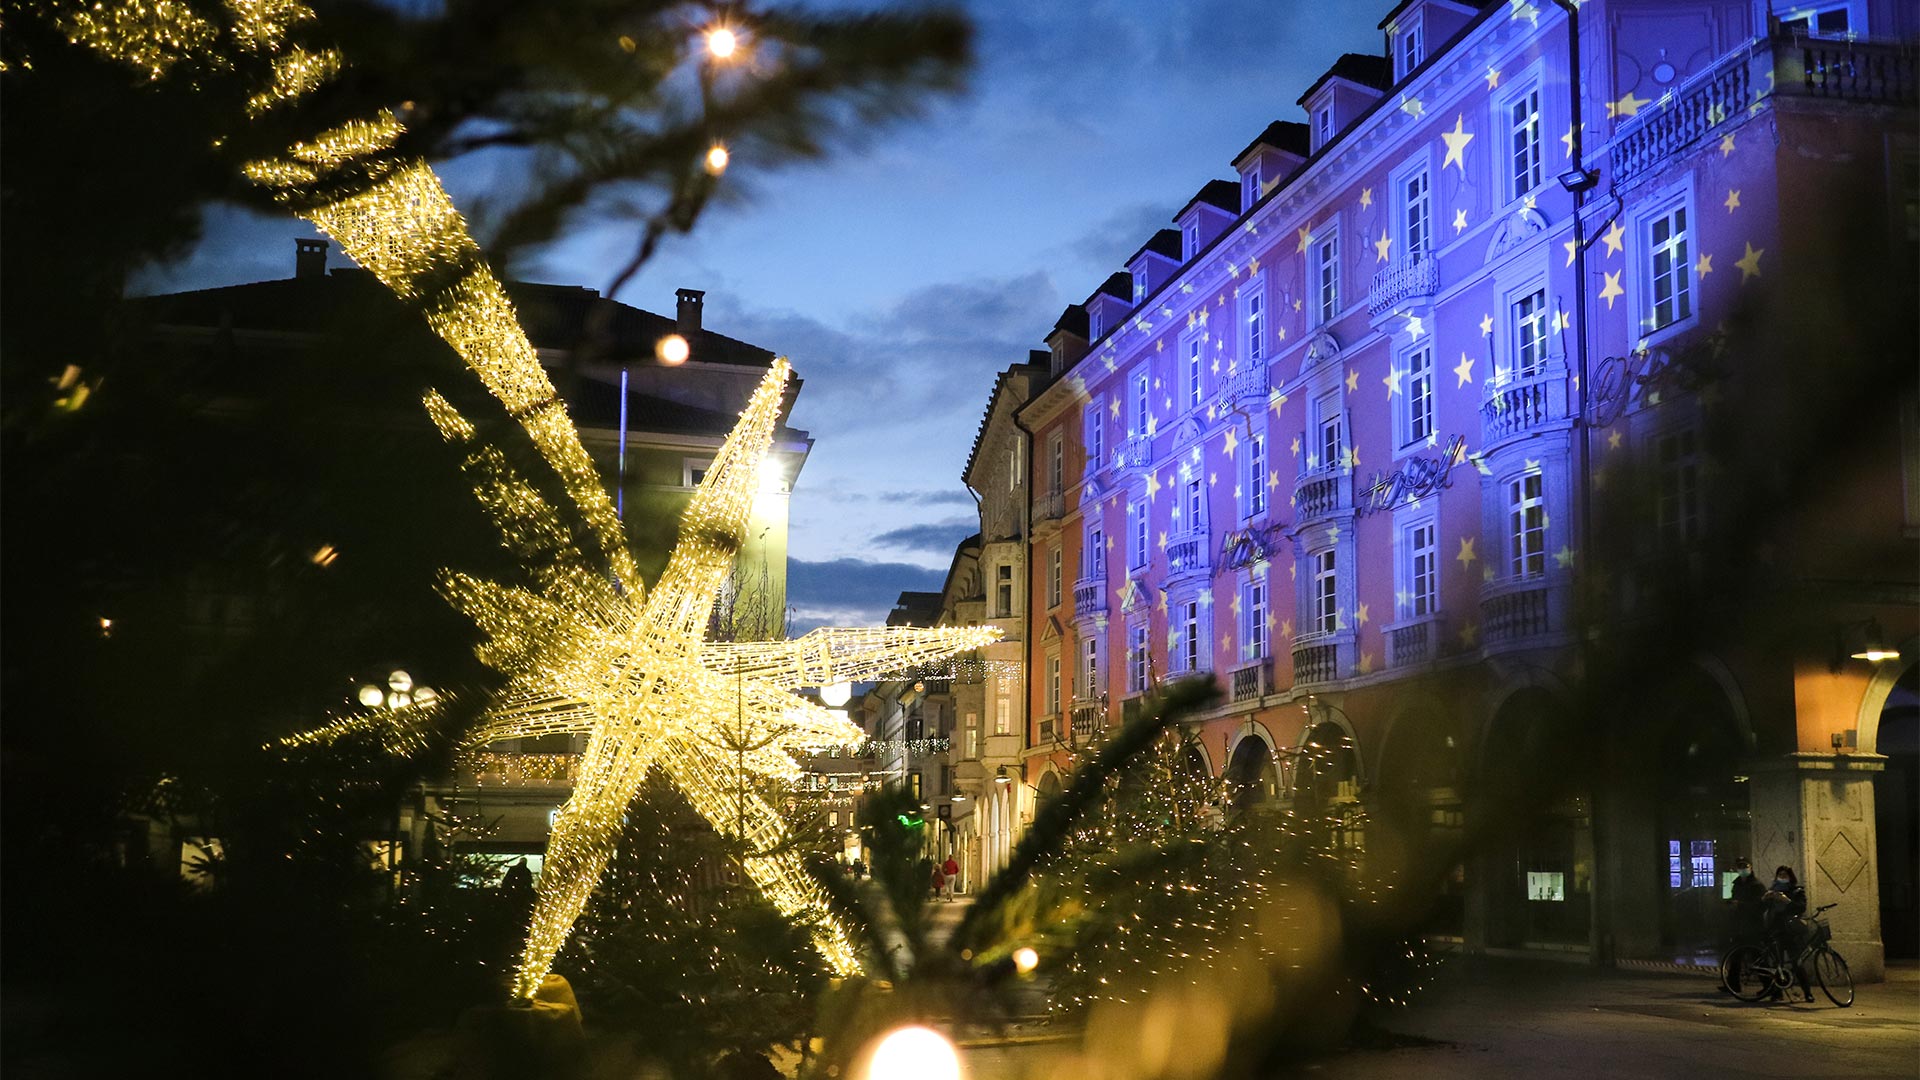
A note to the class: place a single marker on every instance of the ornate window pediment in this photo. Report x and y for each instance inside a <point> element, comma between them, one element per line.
<point>1514,230</point>
<point>1323,349</point>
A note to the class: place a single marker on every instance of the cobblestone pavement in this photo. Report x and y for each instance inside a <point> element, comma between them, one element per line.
<point>1533,1019</point>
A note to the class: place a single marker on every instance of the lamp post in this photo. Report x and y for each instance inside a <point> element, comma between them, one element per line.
<point>399,692</point>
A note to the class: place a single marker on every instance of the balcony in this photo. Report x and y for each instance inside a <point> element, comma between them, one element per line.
<point>516,770</point>
<point>1189,553</point>
<point>1132,708</point>
<point>1251,682</point>
<point>1047,726</point>
<point>1518,611</point>
<point>1246,389</point>
<point>1856,71</point>
<point>1048,508</point>
<point>1405,285</point>
<point>1413,642</point>
<point>1134,452</point>
<point>1322,493</point>
<point>1321,658</point>
<point>1000,748</point>
<point>1090,595</point>
<point>1523,406</point>
<point>1089,719</point>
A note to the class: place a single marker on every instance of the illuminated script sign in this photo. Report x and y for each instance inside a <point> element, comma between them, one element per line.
<point>1420,477</point>
<point>1649,374</point>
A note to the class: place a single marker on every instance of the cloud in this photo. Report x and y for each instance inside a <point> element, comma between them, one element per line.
<point>940,537</point>
<point>1120,234</point>
<point>928,498</point>
<point>851,592</point>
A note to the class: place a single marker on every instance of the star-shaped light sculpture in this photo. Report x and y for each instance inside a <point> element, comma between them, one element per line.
<point>585,647</point>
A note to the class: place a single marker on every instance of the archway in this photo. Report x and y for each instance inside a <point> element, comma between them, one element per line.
<point>1253,779</point>
<point>1418,815</point>
<point>1326,790</point>
<point>1536,864</point>
<point>1896,808</point>
<point>1691,759</point>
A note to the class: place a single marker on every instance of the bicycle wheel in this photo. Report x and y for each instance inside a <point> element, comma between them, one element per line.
<point>1835,980</point>
<point>1749,972</point>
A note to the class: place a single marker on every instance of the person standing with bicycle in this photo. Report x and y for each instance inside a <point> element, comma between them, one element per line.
<point>1784,903</point>
<point>1746,914</point>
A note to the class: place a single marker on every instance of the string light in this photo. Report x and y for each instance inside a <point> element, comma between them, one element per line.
<point>584,653</point>
<point>722,42</point>
<point>717,159</point>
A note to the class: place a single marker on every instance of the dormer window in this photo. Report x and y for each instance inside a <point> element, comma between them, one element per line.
<point>1253,185</point>
<point>1139,284</point>
<point>1191,237</point>
<point>1322,125</point>
<point>1095,324</point>
<point>1409,48</point>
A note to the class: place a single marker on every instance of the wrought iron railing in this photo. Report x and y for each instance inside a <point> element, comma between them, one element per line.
<point>1247,389</point>
<point>1134,452</point>
<point>1404,280</point>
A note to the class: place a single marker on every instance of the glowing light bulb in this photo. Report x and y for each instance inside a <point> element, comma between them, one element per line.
<point>914,1053</point>
<point>673,349</point>
<point>372,696</point>
<point>1025,959</point>
<point>717,159</point>
<point>722,42</point>
<point>837,694</point>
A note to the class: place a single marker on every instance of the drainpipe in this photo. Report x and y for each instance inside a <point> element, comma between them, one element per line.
<point>1026,612</point>
<point>1602,922</point>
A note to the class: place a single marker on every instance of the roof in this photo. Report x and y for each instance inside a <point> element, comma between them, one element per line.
<point>1165,243</point>
<point>1000,385</point>
<point>1405,4</point>
<point>915,609</point>
<point>1073,320</point>
<point>556,317</point>
<point>1286,135</point>
<point>1366,69</point>
<point>1221,194</point>
<point>1118,285</point>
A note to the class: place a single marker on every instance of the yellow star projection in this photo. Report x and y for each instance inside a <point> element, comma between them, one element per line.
<point>587,650</point>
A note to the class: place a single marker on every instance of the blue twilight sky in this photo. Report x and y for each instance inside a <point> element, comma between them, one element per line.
<point>901,276</point>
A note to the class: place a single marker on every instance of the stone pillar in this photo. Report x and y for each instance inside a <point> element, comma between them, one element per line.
<point>1814,812</point>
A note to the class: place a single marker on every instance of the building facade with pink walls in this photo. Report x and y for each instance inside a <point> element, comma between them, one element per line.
<point>1516,441</point>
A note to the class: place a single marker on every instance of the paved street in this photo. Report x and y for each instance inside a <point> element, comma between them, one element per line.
<point>1535,1019</point>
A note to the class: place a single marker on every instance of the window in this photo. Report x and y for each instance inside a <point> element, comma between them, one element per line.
<point>1326,274</point>
<point>1096,429</point>
<point>694,470</point>
<point>1090,670</point>
<point>1139,284</point>
<point>1420,595</point>
<point>1053,684</point>
<point>1416,216</point>
<point>1137,402</point>
<point>1016,467</point>
<point>1003,706</point>
<point>1256,308</point>
<point>1322,126</point>
<point>1523,133</point>
<point>1056,463</point>
<point>1094,322</point>
<point>1137,525</point>
<point>1412,49</point>
<point>1254,484</point>
<point>1530,335</point>
<point>1250,188</point>
<point>1196,505</point>
<point>1669,271</point>
<point>1253,618</point>
<point>1821,20</point>
<point>1677,497</point>
<point>1690,864</point>
<point>1192,235</point>
<point>1053,577</point>
<point>1190,374</point>
<point>1327,409</point>
<point>1188,631</point>
<point>1137,658</point>
<point>1095,564</point>
<point>1418,408</point>
<point>1003,591</point>
<point>1526,527</point>
<point>1326,592</point>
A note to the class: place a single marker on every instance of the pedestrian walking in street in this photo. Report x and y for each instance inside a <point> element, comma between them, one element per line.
<point>951,870</point>
<point>939,882</point>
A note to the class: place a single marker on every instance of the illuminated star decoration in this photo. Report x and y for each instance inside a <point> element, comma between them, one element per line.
<point>586,650</point>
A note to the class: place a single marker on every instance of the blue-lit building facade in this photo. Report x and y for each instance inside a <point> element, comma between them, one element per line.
<point>1547,344</point>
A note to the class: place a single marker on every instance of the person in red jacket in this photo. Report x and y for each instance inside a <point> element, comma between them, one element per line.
<point>952,870</point>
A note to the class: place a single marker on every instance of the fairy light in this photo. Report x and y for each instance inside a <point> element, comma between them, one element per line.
<point>722,42</point>
<point>672,349</point>
<point>717,159</point>
<point>584,653</point>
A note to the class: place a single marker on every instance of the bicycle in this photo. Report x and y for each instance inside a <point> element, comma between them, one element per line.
<point>1754,970</point>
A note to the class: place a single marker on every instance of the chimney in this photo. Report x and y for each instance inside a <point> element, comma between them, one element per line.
<point>309,259</point>
<point>687,317</point>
